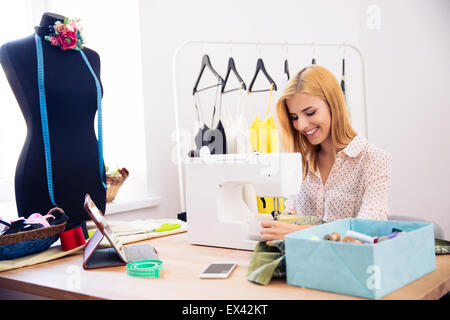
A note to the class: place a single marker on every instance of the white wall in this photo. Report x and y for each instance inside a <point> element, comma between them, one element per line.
<point>406,76</point>
<point>408,79</point>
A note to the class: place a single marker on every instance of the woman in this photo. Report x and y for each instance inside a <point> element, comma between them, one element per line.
<point>343,175</point>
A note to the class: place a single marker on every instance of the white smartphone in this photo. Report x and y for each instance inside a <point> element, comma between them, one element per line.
<point>218,270</point>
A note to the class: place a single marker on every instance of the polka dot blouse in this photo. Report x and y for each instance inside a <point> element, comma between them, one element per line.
<point>357,186</point>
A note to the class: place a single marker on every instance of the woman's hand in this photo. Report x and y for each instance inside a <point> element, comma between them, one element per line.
<point>276,230</point>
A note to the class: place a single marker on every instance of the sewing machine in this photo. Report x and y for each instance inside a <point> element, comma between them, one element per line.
<point>221,193</point>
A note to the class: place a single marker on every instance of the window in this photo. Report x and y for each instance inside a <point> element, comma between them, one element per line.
<point>12,126</point>
<point>115,35</point>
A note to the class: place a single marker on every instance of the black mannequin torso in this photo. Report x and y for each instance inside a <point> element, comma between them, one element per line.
<point>71,107</point>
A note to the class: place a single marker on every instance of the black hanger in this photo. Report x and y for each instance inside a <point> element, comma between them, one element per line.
<point>207,63</point>
<point>232,67</point>
<point>260,66</point>
<point>286,69</point>
<point>313,54</point>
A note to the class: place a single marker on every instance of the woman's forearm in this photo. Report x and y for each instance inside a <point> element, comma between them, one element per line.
<point>304,226</point>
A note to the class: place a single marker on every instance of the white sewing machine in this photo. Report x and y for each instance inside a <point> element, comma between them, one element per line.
<point>221,193</point>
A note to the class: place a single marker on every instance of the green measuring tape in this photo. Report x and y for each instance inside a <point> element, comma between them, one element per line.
<point>145,268</point>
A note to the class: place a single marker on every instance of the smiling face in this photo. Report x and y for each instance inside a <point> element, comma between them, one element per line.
<point>311,116</point>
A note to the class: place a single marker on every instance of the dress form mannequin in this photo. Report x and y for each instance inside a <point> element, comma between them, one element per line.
<point>71,98</point>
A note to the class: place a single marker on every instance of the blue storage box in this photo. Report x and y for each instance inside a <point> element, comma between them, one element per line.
<point>363,270</point>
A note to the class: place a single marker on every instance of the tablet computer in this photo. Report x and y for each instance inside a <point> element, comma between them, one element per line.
<point>104,257</point>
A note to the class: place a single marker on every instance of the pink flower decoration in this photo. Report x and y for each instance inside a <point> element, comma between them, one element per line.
<point>61,28</point>
<point>67,40</point>
<point>54,41</point>
<point>67,35</point>
<point>73,24</point>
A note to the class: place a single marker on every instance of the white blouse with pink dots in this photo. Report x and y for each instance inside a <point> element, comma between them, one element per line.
<point>357,186</point>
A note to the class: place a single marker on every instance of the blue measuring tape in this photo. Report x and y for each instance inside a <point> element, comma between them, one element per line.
<point>44,118</point>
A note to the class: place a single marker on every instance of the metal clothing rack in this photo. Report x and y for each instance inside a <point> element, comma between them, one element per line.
<point>182,215</point>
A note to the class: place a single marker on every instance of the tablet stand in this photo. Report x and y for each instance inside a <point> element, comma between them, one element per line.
<point>94,258</point>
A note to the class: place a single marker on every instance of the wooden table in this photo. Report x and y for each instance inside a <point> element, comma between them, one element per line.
<point>66,279</point>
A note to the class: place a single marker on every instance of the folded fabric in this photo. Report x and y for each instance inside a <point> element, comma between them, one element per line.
<point>267,262</point>
<point>130,233</point>
<point>34,221</point>
<point>50,254</point>
<point>4,226</point>
<point>123,228</point>
<point>21,226</point>
<point>37,218</point>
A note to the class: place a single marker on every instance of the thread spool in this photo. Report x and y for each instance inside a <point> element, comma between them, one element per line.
<point>389,236</point>
<point>381,239</point>
<point>393,235</point>
<point>71,239</point>
<point>333,237</point>
<point>360,236</point>
<point>348,239</point>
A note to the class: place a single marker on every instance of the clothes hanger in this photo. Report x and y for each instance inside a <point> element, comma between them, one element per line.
<point>206,62</point>
<point>260,67</point>
<point>314,55</point>
<point>343,76</point>
<point>286,65</point>
<point>343,85</point>
<point>286,69</point>
<point>232,67</point>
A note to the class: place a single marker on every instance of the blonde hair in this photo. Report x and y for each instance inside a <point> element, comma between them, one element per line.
<point>321,82</point>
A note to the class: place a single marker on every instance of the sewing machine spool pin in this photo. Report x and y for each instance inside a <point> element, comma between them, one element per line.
<point>276,208</point>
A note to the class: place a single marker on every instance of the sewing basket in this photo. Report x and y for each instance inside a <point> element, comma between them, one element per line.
<point>113,183</point>
<point>28,242</point>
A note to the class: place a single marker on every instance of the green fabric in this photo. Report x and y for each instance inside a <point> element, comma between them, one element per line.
<point>268,262</point>
<point>265,263</point>
<point>308,220</point>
